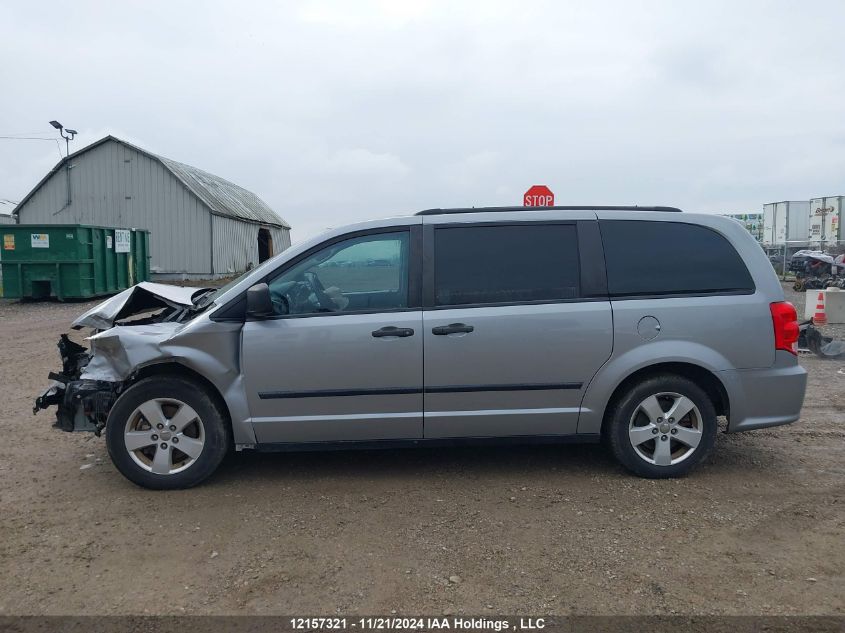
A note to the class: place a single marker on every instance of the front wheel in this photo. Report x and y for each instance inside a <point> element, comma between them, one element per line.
<point>166,432</point>
<point>662,427</point>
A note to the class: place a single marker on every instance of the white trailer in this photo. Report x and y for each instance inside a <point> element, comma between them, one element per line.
<point>786,221</point>
<point>825,215</point>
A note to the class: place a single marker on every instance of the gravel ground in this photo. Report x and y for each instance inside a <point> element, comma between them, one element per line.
<point>758,529</point>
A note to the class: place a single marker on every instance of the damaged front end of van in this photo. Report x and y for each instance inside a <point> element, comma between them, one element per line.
<point>131,331</point>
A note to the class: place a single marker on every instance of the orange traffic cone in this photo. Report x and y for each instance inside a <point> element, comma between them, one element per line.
<point>820,318</point>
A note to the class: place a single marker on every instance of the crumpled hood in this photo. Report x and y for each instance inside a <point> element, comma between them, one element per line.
<point>139,298</point>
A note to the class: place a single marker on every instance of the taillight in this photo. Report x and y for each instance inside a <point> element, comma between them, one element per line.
<point>785,322</point>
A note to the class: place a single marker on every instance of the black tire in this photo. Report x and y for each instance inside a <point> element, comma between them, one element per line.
<point>211,416</point>
<point>619,418</point>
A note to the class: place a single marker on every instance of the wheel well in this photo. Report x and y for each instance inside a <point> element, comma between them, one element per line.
<point>176,369</point>
<point>702,377</point>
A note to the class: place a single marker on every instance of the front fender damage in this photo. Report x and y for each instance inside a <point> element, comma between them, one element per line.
<point>145,326</point>
<point>92,379</point>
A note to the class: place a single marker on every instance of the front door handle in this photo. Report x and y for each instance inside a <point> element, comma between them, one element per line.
<point>391,330</point>
<point>452,328</point>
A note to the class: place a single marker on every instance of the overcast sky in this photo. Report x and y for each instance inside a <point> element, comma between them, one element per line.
<point>335,112</point>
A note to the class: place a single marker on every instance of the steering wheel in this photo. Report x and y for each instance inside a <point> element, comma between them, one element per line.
<point>280,302</point>
<point>326,302</point>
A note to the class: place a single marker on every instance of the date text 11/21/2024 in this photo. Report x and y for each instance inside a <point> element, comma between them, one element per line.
<point>398,623</point>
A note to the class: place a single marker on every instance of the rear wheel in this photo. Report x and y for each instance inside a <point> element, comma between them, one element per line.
<point>662,427</point>
<point>166,433</point>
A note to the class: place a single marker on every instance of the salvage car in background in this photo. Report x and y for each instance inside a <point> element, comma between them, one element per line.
<point>461,325</point>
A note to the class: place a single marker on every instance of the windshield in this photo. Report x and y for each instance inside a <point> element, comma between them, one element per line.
<point>207,298</point>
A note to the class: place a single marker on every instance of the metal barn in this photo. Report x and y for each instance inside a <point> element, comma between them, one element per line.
<point>201,226</point>
<point>7,208</point>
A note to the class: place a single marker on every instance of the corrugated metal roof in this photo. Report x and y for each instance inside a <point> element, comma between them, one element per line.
<point>224,197</point>
<point>218,194</point>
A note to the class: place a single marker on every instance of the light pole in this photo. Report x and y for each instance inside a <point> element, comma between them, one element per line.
<point>68,138</point>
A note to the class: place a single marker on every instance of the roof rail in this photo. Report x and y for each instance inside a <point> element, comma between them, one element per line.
<point>571,208</point>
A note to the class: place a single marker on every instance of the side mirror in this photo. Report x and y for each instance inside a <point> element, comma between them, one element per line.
<point>258,302</point>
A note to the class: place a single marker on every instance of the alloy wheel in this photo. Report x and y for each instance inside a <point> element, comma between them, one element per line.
<point>164,436</point>
<point>665,428</point>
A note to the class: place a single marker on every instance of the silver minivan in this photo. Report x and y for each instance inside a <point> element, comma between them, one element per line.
<point>638,326</point>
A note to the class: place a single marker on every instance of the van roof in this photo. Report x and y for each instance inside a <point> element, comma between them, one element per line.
<point>565,208</point>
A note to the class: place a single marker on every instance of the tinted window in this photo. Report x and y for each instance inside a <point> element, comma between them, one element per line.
<point>505,264</point>
<point>361,273</point>
<point>653,258</point>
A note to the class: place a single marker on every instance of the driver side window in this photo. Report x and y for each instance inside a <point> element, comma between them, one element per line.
<point>369,272</point>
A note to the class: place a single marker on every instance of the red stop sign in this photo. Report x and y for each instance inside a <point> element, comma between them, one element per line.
<point>538,196</point>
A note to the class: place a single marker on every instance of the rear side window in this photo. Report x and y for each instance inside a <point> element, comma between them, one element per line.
<point>505,264</point>
<point>658,258</point>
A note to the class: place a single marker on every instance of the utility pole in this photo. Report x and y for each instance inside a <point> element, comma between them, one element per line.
<point>68,138</point>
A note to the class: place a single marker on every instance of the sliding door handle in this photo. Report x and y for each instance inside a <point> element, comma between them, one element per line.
<point>452,328</point>
<point>391,330</point>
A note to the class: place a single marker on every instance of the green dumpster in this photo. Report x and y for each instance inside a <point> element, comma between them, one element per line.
<point>71,261</point>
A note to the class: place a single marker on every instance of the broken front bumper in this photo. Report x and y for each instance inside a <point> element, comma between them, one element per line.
<point>81,405</point>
